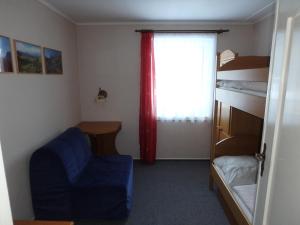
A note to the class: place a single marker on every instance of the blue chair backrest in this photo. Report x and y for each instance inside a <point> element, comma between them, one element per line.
<point>73,150</point>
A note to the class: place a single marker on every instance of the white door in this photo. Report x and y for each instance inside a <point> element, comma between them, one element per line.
<point>5,212</point>
<point>277,198</point>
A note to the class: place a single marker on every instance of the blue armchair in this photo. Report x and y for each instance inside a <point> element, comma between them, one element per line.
<point>68,182</point>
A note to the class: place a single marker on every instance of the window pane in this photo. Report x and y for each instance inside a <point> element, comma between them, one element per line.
<point>185,70</point>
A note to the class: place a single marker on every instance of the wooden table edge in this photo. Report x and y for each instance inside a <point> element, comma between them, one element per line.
<point>42,222</point>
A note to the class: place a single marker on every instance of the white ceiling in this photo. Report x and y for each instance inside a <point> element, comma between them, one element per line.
<point>97,11</point>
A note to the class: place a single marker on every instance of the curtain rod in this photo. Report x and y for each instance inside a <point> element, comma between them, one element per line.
<point>220,31</point>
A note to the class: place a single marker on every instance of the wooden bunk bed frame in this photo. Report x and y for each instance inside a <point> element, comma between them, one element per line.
<point>237,145</point>
<point>245,114</point>
<point>242,68</point>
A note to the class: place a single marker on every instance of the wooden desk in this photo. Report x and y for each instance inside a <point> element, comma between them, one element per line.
<point>40,222</point>
<point>102,135</point>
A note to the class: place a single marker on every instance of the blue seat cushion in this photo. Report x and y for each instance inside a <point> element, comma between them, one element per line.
<point>104,189</point>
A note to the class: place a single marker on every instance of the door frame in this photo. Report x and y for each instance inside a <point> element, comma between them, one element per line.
<point>279,112</point>
<point>5,209</point>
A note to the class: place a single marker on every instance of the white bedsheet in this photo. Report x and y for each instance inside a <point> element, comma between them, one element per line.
<point>241,180</point>
<point>245,195</point>
<point>249,92</point>
<point>237,170</point>
<point>244,85</point>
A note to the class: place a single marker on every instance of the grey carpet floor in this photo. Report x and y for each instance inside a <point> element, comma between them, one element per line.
<point>171,193</point>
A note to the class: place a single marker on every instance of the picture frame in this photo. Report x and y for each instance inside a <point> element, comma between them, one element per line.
<point>28,58</point>
<point>53,61</point>
<point>6,59</point>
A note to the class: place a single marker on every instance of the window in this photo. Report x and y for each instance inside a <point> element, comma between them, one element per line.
<point>185,70</point>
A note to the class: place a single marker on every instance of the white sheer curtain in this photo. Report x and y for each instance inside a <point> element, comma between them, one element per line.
<point>185,70</point>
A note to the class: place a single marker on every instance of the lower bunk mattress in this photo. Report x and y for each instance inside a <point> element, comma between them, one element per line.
<point>245,195</point>
<point>239,174</point>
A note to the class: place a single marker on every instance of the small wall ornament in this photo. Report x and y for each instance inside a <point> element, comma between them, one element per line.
<point>102,95</point>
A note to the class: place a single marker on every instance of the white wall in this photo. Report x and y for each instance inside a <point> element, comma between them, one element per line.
<point>263,31</point>
<point>108,57</point>
<point>34,108</point>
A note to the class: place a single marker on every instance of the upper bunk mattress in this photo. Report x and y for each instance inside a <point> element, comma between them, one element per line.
<point>249,87</point>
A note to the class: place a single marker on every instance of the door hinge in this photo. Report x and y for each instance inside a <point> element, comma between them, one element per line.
<point>261,157</point>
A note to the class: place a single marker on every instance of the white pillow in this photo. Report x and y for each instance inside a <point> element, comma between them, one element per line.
<point>238,170</point>
<point>239,161</point>
<point>236,176</point>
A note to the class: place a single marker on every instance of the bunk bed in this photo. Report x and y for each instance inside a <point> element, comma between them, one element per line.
<point>240,95</point>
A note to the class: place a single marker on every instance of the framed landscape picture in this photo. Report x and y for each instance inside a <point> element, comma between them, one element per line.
<point>29,57</point>
<point>6,65</point>
<point>53,61</point>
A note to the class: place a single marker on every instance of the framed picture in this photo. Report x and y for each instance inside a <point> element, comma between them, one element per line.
<point>53,61</point>
<point>29,57</point>
<point>6,65</point>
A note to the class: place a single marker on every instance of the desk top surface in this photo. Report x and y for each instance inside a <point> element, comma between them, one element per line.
<point>100,127</point>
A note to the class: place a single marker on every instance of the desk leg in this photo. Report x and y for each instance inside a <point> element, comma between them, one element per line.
<point>103,144</point>
<point>106,144</point>
<point>93,143</point>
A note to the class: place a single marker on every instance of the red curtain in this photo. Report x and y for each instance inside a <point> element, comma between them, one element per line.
<point>147,128</point>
